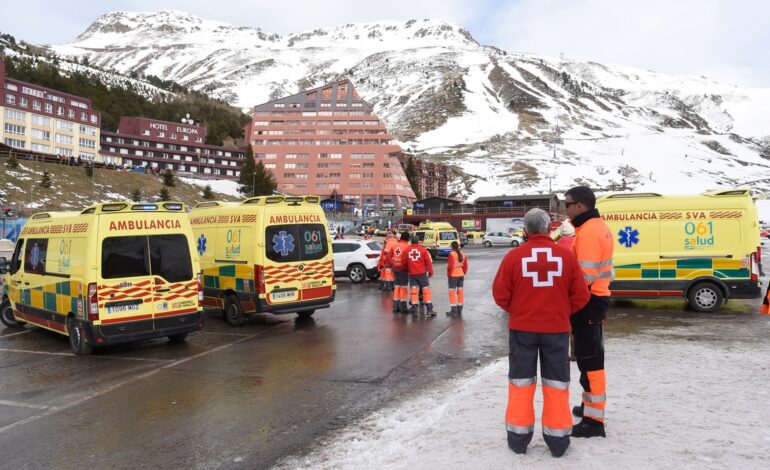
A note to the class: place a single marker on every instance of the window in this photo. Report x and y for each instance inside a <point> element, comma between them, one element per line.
<point>14,143</point>
<point>94,119</point>
<point>49,108</point>
<point>36,105</point>
<point>41,120</point>
<point>40,135</point>
<point>172,136</point>
<point>71,113</point>
<point>16,258</point>
<point>65,152</point>
<point>161,134</point>
<point>15,114</point>
<point>11,86</point>
<point>146,132</point>
<point>14,129</point>
<point>30,91</point>
<point>344,247</point>
<point>63,139</point>
<point>60,110</point>
<point>35,256</point>
<point>296,242</point>
<point>88,130</point>
<point>279,105</point>
<point>330,155</point>
<point>23,102</point>
<point>89,144</point>
<point>367,156</point>
<point>64,125</point>
<point>40,148</point>
<point>10,99</point>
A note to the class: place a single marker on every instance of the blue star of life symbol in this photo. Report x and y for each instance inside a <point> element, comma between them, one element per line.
<point>628,236</point>
<point>283,243</point>
<point>202,244</point>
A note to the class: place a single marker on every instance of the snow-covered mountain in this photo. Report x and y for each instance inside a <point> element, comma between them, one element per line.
<point>512,123</point>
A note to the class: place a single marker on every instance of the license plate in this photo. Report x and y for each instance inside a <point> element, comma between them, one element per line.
<point>288,295</point>
<point>123,308</point>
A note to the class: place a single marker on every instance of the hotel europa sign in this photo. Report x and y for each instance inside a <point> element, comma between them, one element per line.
<point>162,126</point>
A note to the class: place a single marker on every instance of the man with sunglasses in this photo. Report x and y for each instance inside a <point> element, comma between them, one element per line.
<point>593,246</point>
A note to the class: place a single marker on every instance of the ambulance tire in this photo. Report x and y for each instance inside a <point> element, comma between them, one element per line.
<point>77,339</point>
<point>305,314</point>
<point>6,315</point>
<point>705,297</point>
<point>234,315</point>
<point>357,273</point>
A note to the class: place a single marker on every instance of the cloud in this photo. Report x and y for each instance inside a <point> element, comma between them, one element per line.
<point>721,39</point>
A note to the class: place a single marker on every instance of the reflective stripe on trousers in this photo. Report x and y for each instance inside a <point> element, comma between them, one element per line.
<point>595,401</point>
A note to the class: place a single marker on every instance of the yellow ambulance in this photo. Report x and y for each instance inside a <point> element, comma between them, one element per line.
<point>113,273</point>
<point>437,237</point>
<point>704,247</point>
<point>265,254</point>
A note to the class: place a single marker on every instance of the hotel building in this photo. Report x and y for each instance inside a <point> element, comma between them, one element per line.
<point>43,120</point>
<point>328,140</point>
<point>170,146</point>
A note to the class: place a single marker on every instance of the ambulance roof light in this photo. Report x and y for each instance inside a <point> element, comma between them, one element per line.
<point>293,200</point>
<point>41,215</point>
<point>144,207</point>
<point>173,206</point>
<point>729,192</point>
<point>113,207</point>
<point>208,204</point>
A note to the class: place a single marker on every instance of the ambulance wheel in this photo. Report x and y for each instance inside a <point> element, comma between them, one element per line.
<point>78,342</point>
<point>6,315</point>
<point>488,244</point>
<point>705,297</point>
<point>177,338</point>
<point>357,273</point>
<point>305,314</point>
<point>515,243</point>
<point>234,312</point>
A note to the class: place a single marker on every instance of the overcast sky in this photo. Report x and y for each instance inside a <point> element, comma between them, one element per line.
<point>725,40</point>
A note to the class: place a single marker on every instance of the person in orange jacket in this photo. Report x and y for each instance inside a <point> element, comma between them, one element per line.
<point>540,285</point>
<point>457,267</point>
<point>765,308</point>
<point>400,275</point>
<point>384,263</point>
<point>594,245</point>
<point>420,268</point>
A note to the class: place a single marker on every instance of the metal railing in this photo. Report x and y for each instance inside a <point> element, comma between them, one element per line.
<point>479,210</point>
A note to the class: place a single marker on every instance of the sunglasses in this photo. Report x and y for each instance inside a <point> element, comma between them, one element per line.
<point>567,204</point>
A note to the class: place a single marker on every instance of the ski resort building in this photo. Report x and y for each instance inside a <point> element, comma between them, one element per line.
<point>329,141</point>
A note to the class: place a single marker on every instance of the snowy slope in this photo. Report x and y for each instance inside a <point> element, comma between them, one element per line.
<point>510,123</point>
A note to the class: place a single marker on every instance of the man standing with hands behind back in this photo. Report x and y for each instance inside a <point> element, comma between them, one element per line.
<point>594,247</point>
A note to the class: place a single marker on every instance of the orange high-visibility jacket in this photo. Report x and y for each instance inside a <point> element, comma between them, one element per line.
<point>385,253</point>
<point>395,255</point>
<point>594,247</point>
<point>455,268</point>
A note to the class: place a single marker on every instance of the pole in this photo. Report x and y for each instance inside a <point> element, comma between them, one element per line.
<point>253,184</point>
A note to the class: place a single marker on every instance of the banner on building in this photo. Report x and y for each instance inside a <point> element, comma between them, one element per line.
<point>471,224</point>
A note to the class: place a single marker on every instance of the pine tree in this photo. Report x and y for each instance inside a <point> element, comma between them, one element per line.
<point>12,162</point>
<point>136,195</point>
<point>411,176</point>
<point>246,178</point>
<point>164,195</point>
<point>208,194</point>
<point>265,181</point>
<point>46,181</point>
<point>168,178</point>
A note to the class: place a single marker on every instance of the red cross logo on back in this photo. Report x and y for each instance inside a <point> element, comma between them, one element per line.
<point>414,254</point>
<point>397,252</point>
<point>542,267</point>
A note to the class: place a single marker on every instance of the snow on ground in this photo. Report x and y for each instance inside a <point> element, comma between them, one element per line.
<point>672,403</point>
<point>220,186</point>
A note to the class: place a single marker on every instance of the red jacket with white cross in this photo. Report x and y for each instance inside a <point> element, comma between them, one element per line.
<point>540,285</point>
<point>417,260</point>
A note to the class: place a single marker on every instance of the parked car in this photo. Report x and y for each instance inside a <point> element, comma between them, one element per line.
<point>463,239</point>
<point>501,238</point>
<point>356,259</point>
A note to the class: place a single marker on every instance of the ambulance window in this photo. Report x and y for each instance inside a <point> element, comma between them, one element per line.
<point>35,255</point>
<point>313,242</point>
<point>420,235</point>
<point>301,242</point>
<point>170,257</point>
<point>16,258</point>
<point>448,236</point>
<point>124,257</point>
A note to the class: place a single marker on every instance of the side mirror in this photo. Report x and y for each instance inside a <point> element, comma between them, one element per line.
<point>3,265</point>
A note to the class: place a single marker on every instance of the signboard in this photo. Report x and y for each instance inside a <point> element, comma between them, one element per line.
<point>471,224</point>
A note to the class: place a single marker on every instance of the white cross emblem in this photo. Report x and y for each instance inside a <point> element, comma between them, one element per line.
<point>414,254</point>
<point>544,269</point>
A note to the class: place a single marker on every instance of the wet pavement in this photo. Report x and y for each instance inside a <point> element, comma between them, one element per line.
<point>244,397</point>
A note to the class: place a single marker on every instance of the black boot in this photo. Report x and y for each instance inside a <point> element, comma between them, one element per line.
<point>577,411</point>
<point>429,310</point>
<point>396,308</point>
<point>459,310</point>
<point>588,428</point>
<point>452,311</point>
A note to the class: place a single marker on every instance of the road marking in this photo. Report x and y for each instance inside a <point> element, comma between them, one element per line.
<point>69,354</point>
<point>222,333</point>
<point>22,404</point>
<point>14,334</point>
<point>130,380</point>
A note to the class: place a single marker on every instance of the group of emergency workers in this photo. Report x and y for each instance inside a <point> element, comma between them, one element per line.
<point>406,268</point>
